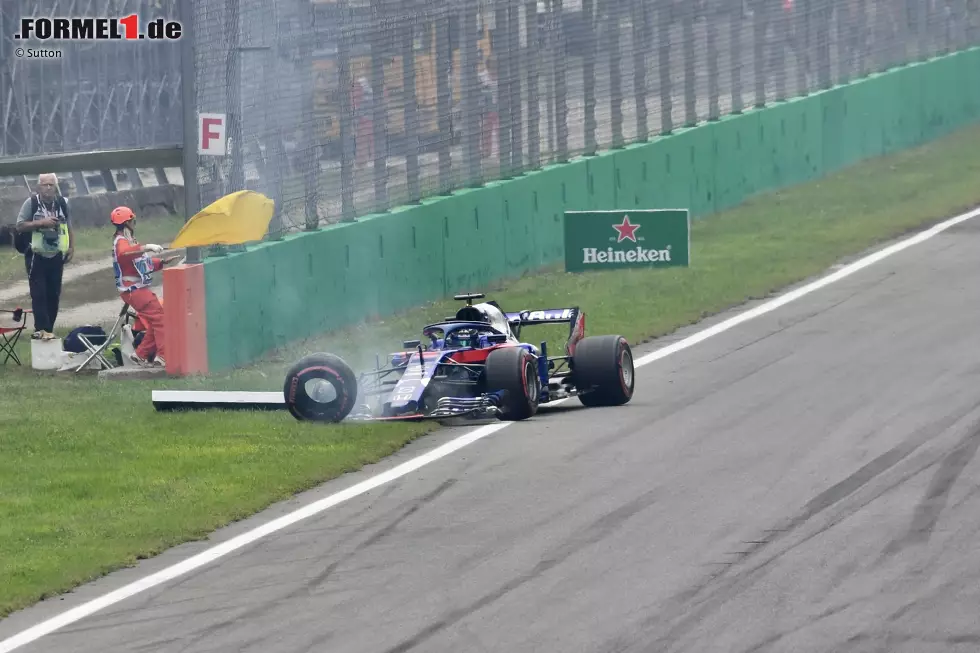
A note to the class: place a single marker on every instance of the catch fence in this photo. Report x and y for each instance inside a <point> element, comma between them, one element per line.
<point>341,108</point>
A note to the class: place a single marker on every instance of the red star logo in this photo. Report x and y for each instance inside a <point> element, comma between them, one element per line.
<point>626,230</point>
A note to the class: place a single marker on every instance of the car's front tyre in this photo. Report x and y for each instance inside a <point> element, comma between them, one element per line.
<point>320,388</point>
<point>514,370</point>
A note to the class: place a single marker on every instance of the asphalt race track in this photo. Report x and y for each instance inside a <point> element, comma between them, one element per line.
<point>806,481</point>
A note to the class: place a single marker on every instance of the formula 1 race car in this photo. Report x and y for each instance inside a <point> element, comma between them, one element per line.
<point>471,365</point>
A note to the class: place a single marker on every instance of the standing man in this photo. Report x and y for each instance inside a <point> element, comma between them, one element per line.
<point>45,217</point>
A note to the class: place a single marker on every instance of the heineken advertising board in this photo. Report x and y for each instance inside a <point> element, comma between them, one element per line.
<point>608,240</point>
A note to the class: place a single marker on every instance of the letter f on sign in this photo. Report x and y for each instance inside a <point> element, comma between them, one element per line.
<point>211,132</point>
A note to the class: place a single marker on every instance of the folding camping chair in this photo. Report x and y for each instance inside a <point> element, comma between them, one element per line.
<point>96,351</point>
<point>12,324</point>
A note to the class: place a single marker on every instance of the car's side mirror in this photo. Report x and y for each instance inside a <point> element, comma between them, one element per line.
<point>496,338</point>
<point>411,344</point>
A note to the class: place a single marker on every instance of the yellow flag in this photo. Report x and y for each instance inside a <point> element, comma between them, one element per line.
<point>232,220</point>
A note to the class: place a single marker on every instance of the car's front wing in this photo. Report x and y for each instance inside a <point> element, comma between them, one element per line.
<point>485,405</point>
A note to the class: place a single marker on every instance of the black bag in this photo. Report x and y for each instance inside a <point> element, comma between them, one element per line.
<point>95,334</point>
<point>22,241</point>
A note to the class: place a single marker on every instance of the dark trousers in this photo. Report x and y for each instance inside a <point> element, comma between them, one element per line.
<point>44,275</point>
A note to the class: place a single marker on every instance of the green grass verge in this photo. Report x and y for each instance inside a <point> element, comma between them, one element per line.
<point>94,243</point>
<point>93,478</point>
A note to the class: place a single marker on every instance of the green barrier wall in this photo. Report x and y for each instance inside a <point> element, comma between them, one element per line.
<point>308,283</point>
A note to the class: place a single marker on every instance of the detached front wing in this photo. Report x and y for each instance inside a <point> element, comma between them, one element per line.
<point>486,405</point>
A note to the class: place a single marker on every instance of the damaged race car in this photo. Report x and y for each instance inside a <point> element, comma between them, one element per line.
<point>471,365</point>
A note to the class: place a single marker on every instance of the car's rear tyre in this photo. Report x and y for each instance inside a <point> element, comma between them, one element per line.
<point>320,388</point>
<point>603,371</point>
<point>514,370</point>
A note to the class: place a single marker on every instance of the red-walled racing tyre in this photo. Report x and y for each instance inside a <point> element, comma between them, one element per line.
<point>515,370</point>
<point>320,388</point>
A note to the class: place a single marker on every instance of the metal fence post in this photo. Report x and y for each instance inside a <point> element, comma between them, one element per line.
<point>345,84</point>
<point>503,57</point>
<point>801,27</point>
<point>513,45</point>
<point>613,45</point>
<point>310,157</point>
<point>410,120</point>
<point>666,89</point>
<point>778,50</point>
<point>735,23</point>
<point>532,54</point>
<point>561,83</point>
<point>711,36</point>
<point>379,107</point>
<point>690,66</point>
<point>444,95</point>
<point>470,94</point>
<point>188,96</point>
<point>759,13</point>
<point>640,19</point>
<point>823,44</point>
<point>233,97</point>
<point>588,76</point>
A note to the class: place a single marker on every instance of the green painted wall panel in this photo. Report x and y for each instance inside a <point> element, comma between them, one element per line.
<point>903,118</point>
<point>697,147</point>
<point>750,169</point>
<point>959,101</point>
<point>364,274</point>
<point>574,184</point>
<point>414,255</point>
<point>670,175</point>
<point>464,258</point>
<point>308,283</point>
<point>552,193</point>
<point>758,177</point>
<point>600,174</point>
<point>940,103</point>
<point>832,102</point>
<point>730,182</point>
<point>520,249</point>
<point>549,208</point>
<point>777,140</point>
<point>913,112</point>
<point>812,137</point>
<point>659,191</point>
<point>330,254</point>
<point>533,202</point>
<point>969,80</point>
<point>632,178</point>
<point>850,128</point>
<point>868,119</point>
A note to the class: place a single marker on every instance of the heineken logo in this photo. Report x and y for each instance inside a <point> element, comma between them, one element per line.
<point>638,255</point>
<point>612,239</point>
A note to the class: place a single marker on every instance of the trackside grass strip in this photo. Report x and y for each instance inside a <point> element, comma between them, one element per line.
<point>92,478</point>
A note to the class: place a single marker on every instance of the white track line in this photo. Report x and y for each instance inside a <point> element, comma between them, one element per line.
<point>210,555</point>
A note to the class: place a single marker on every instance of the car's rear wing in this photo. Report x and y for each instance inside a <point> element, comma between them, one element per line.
<point>573,316</point>
<point>543,316</point>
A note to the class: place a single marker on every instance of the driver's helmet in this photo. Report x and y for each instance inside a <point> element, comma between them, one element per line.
<point>462,338</point>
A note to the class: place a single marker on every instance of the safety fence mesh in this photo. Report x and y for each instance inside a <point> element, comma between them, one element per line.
<point>341,108</point>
